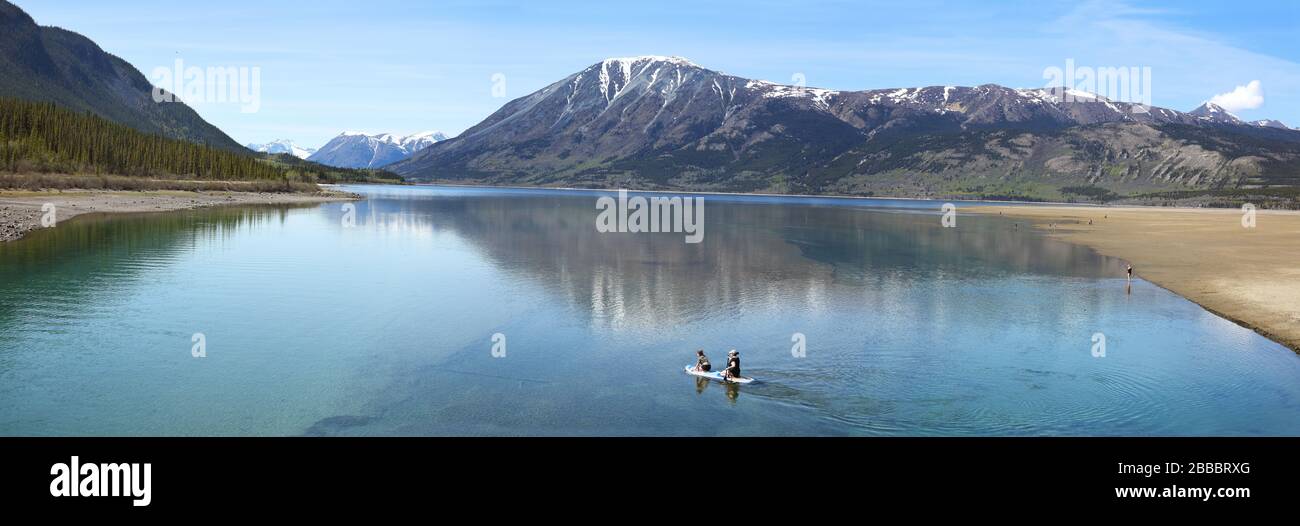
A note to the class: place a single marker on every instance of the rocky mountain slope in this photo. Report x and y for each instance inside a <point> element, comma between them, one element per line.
<point>360,150</point>
<point>667,123</point>
<point>50,64</point>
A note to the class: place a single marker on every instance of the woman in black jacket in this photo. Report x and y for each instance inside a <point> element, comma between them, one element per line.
<point>733,365</point>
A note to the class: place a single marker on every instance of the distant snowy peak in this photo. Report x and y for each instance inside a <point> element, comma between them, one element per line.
<point>1210,108</point>
<point>820,97</point>
<point>663,116</point>
<point>613,76</point>
<point>627,64</point>
<point>1270,123</point>
<point>667,91</point>
<point>362,150</point>
<point>413,142</point>
<point>280,146</point>
<point>628,80</point>
<point>419,141</point>
<point>665,77</point>
<point>1214,113</point>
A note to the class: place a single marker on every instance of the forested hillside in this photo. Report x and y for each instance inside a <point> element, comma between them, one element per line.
<point>51,64</point>
<point>40,137</point>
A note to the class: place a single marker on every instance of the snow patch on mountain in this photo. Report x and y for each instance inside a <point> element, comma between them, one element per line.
<point>1215,113</point>
<point>1271,123</point>
<point>771,90</point>
<point>352,149</point>
<point>279,146</point>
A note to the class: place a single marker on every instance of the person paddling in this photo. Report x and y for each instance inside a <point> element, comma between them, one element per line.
<point>733,365</point>
<point>702,362</point>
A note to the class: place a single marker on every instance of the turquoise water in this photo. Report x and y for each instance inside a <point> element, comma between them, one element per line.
<point>385,328</point>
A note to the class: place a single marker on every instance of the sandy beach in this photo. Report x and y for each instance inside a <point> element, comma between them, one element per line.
<point>1248,275</point>
<point>22,211</point>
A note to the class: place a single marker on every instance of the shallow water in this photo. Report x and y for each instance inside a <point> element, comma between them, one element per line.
<point>385,328</point>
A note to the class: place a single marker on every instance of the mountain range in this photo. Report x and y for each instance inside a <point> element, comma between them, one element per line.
<point>1271,124</point>
<point>50,64</point>
<point>656,122</point>
<point>667,123</point>
<point>360,150</point>
<point>280,146</point>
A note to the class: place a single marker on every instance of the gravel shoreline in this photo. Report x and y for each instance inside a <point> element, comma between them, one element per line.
<point>22,211</point>
<point>1247,275</point>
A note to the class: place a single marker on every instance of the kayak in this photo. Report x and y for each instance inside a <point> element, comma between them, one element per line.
<point>716,376</point>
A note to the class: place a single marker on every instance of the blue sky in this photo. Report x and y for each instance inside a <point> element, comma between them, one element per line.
<point>387,66</point>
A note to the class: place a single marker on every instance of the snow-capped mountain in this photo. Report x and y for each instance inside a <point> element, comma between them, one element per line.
<point>664,122</point>
<point>282,146</point>
<point>1270,123</point>
<point>419,141</point>
<point>1215,113</point>
<point>361,150</point>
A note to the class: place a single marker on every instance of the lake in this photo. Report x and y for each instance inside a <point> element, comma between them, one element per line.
<point>379,318</point>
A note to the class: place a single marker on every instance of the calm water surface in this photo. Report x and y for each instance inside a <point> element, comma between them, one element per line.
<point>385,328</point>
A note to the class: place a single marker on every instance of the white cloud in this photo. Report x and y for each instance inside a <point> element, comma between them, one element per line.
<point>1246,97</point>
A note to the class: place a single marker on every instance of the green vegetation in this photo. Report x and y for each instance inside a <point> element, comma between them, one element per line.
<point>42,138</point>
<point>1282,198</point>
<point>27,181</point>
<point>1095,193</point>
<point>49,64</point>
<point>296,168</point>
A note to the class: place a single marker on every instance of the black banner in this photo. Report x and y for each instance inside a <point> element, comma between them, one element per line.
<point>505,475</point>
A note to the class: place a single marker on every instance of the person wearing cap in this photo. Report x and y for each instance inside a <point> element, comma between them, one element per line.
<point>733,365</point>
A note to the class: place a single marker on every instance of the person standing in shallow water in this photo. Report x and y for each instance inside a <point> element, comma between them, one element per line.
<point>1130,272</point>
